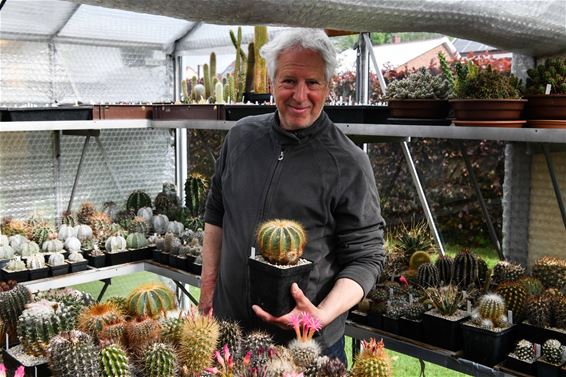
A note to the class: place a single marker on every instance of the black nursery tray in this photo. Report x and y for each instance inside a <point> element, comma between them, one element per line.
<point>78,266</point>
<point>38,273</point>
<point>22,114</point>
<point>19,276</point>
<point>59,270</point>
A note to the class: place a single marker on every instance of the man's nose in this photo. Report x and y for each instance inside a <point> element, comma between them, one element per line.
<point>300,91</point>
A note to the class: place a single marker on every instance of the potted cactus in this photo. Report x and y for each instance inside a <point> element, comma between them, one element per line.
<point>57,264</point>
<point>411,323</point>
<point>96,258</point>
<point>116,252</point>
<point>16,270</point>
<point>552,357</point>
<point>76,262</point>
<point>547,107</point>
<point>281,243</point>
<point>37,267</point>
<point>488,336</point>
<point>138,244</point>
<point>523,357</point>
<point>420,95</point>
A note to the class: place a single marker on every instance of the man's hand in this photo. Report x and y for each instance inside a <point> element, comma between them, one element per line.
<point>303,305</point>
<point>206,294</point>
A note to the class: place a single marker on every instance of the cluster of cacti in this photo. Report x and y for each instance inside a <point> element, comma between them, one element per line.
<point>551,271</point>
<point>446,300</point>
<point>94,318</point>
<point>372,361</point>
<point>169,244</point>
<point>40,322</point>
<point>73,299</point>
<point>137,200</point>
<point>40,232</point>
<point>413,238</point>
<point>12,227</point>
<point>198,341</point>
<point>114,362</point>
<point>445,266</point>
<point>281,241</point>
<point>491,312</point>
<point>415,311</point>
<point>421,84</point>
<point>525,351</point>
<point>73,354</point>
<point>113,334</point>
<point>515,296</point>
<point>151,299</point>
<point>230,334</point>
<point>552,351</point>
<point>396,308</point>
<point>85,213</point>
<point>160,360</point>
<point>138,225</point>
<point>507,271</point>
<point>552,72</point>
<point>171,330</point>
<point>466,270</point>
<point>428,275</point>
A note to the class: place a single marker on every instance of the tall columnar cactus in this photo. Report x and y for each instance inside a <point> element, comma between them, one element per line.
<point>196,187</point>
<point>114,362</point>
<point>206,79</point>
<point>372,361</point>
<point>515,296</point>
<point>250,65</point>
<point>552,351</point>
<point>551,271</point>
<point>230,334</point>
<point>239,63</point>
<point>94,318</point>
<point>219,93</point>
<point>185,91</point>
<point>491,312</point>
<point>159,360</point>
<point>39,322</point>
<point>137,200</point>
<point>198,341</point>
<point>281,241</point>
<point>506,271</point>
<point>73,354</point>
<point>13,299</point>
<point>428,275</point>
<point>151,299</point>
<point>539,311</point>
<point>260,68</point>
<point>445,265</point>
<point>465,268</point>
<point>525,351</point>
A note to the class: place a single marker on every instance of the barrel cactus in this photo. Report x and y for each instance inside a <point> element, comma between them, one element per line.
<point>114,362</point>
<point>28,249</point>
<point>53,245</point>
<point>75,257</point>
<point>84,232</point>
<point>230,335</point>
<point>137,200</point>
<point>56,259</point>
<point>552,351</point>
<point>146,213</point>
<point>160,224</point>
<point>72,244</point>
<point>551,271</point>
<point>93,319</point>
<point>198,341</point>
<point>15,264</point>
<point>73,354</point>
<point>140,333</point>
<point>505,271</point>
<point>151,299</point>
<point>428,275</point>
<point>171,329</point>
<point>6,252</point>
<point>41,321</point>
<point>372,361</point>
<point>176,228</point>
<point>525,351</point>
<point>539,311</point>
<point>13,298</point>
<point>445,266</point>
<point>466,270</point>
<point>515,296</point>
<point>491,312</point>
<point>115,244</point>
<point>35,261</point>
<point>171,244</point>
<point>196,187</point>
<point>138,225</point>
<point>159,360</point>
<point>66,231</point>
<point>41,232</point>
<point>136,241</point>
<point>258,344</point>
<point>281,241</point>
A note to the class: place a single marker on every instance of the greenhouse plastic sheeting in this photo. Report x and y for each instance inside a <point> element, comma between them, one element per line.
<point>528,26</point>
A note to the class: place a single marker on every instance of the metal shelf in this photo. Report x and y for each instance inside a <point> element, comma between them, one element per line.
<point>74,125</point>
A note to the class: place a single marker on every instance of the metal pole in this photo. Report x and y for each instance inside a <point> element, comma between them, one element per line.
<point>487,218</point>
<point>555,183</point>
<point>422,196</point>
<point>85,146</point>
<point>57,176</point>
<point>376,66</point>
<point>105,159</point>
<point>362,71</point>
<point>181,159</point>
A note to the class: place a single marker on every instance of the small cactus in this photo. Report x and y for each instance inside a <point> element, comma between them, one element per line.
<point>492,308</point>
<point>73,354</point>
<point>151,299</point>
<point>525,351</point>
<point>230,335</point>
<point>281,241</point>
<point>515,296</point>
<point>428,275</point>
<point>419,258</point>
<point>539,311</point>
<point>114,362</point>
<point>507,271</point>
<point>94,318</point>
<point>372,361</point>
<point>552,351</point>
<point>13,298</point>
<point>159,360</point>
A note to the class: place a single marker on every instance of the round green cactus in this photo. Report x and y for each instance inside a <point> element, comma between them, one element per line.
<point>73,354</point>
<point>281,241</point>
<point>136,241</point>
<point>230,335</point>
<point>151,299</point>
<point>539,311</point>
<point>445,266</point>
<point>137,200</point>
<point>418,258</point>
<point>160,360</point>
<point>171,330</point>
<point>114,362</point>
<point>373,361</point>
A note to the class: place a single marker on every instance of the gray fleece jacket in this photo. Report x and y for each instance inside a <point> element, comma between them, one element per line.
<point>316,176</point>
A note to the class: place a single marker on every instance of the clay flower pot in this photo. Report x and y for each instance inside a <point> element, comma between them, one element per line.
<point>488,109</point>
<point>551,106</point>
<point>418,108</point>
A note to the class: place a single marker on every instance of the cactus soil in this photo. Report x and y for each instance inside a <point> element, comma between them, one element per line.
<point>444,332</point>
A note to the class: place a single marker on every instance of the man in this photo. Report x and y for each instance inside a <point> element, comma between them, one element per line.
<point>294,164</point>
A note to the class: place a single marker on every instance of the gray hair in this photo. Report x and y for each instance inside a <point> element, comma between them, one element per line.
<point>310,39</point>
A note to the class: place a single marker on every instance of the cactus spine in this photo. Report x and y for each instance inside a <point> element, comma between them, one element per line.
<point>552,351</point>
<point>260,67</point>
<point>465,268</point>
<point>428,275</point>
<point>372,361</point>
<point>151,300</point>
<point>198,341</point>
<point>491,312</point>
<point>13,299</point>
<point>160,360</point>
<point>73,354</point>
<point>94,318</point>
<point>114,362</point>
<point>281,241</point>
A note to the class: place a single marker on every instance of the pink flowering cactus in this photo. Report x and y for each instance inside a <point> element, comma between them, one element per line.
<point>226,362</point>
<point>19,372</point>
<point>305,326</point>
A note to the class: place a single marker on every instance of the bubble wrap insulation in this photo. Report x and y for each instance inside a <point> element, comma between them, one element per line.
<point>140,159</point>
<point>529,26</point>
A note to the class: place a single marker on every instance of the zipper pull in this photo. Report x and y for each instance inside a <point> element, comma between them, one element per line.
<point>280,155</point>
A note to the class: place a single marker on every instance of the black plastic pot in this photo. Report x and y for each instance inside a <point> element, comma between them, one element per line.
<point>259,98</point>
<point>189,261</point>
<point>142,254</point>
<point>411,328</point>
<point>375,321</point>
<point>96,261</point>
<point>443,332</point>
<point>538,334</point>
<point>485,346</point>
<point>164,258</point>
<point>156,255</point>
<point>545,369</point>
<point>38,273</point>
<point>19,276</point>
<point>270,286</point>
<point>357,114</point>
<point>11,363</point>
<point>121,257</point>
<point>172,260</point>
<point>59,270</point>
<point>46,113</point>
<point>358,317</point>
<point>391,325</point>
<point>237,112</point>
<point>78,266</point>
<point>195,268</point>
<point>512,363</point>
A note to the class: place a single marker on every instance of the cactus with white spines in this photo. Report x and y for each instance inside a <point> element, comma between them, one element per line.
<point>73,354</point>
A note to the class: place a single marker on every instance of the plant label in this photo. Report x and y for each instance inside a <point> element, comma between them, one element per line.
<point>410,298</point>
<point>537,350</point>
<point>253,252</point>
<point>390,293</point>
<point>547,89</point>
<point>510,316</point>
<point>468,306</point>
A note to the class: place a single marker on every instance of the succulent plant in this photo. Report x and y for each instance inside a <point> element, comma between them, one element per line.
<point>84,232</point>
<point>94,318</point>
<point>281,241</point>
<point>171,244</point>
<point>421,84</point>
<point>466,271</point>
<point>113,334</point>
<point>396,308</point>
<point>15,264</point>
<point>39,322</point>
<point>445,266</point>
<point>505,271</point>
<point>176,228</point>
<point>66,231</point>
<point>525,351</point>
<point>304,349</point>
<point>137,200</point>
<point>115,244</point>
<point>35,261</point>
<point>150,299</point>
<point>446,300</point>
<point>198,341</point>
<point>16,241</point>
<point>258,344</point>
<point>552,351</point>
<point>413,238</point>
<point>515,296</point>
<point>160,223</point>
<point>159,360</point>
<point>164,205</point>
<point>491,312</point>
<point>330,367</point>
<point>171,329</point>
<point>75,257</point>
<point>551,271</point>
<point>72,244</point>
<point>196,187</point>
<point>6,252</point>
<point>415,311</point>
<point>533,285</point>
<point>141,333</point>
<point>261,37</point>
<point>230,335</point>
<point>11,227</point>
<point>146,213</point>
<point>52,246</point>
<point>73,354</point>
<point>114,362</point>
<point>372,361</point>
<point>13,299</point>
<point>56,259</point>
<point>538,311</point>
<point>136,241</point>
<point>428,275</point>
<point>484,83</point>
<point>552,72</point>
<point>85,212</point>
<point>28,249</point>
<point>419,258</point>
<point>559,311</point>
<point>40,232</point>
<point>138,225</point>
<point>73,299</point>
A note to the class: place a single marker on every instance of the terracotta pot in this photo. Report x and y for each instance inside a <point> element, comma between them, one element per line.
<point>552,106</point>
<point>488,109</point>
<point>418,108</point>
<point>179,112</point>
<point>123,112</point>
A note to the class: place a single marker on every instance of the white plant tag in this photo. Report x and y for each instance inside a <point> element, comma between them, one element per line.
<point>7,341</point>
<point>410,298</point>
<point>510,316</point>
<point>468,306</point>
<point>537,350</point>
<point>253,252</point>
<point>390,293</point>
<point>547,89</point>
<point>464,295</point>
<point>392,278</point>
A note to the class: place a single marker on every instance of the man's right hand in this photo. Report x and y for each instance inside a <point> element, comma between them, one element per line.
<point>206,295</point>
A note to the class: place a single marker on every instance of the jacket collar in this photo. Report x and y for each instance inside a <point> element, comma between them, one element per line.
<point>301,136</point>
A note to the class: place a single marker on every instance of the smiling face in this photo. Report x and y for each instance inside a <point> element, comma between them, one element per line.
<point>300,88</point>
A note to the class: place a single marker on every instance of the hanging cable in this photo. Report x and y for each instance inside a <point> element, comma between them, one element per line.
<point>2,3</point>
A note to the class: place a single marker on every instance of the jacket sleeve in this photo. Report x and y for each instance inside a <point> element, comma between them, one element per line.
<point>359,225</point>
<point>214,209</point>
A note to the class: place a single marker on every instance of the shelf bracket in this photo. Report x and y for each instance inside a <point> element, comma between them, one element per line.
<point>422,196</point>
<point>555,183</point>
<point>78,174</point>
<point>187,293</point>
<point>106,282</point>
<point>473,180</point>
